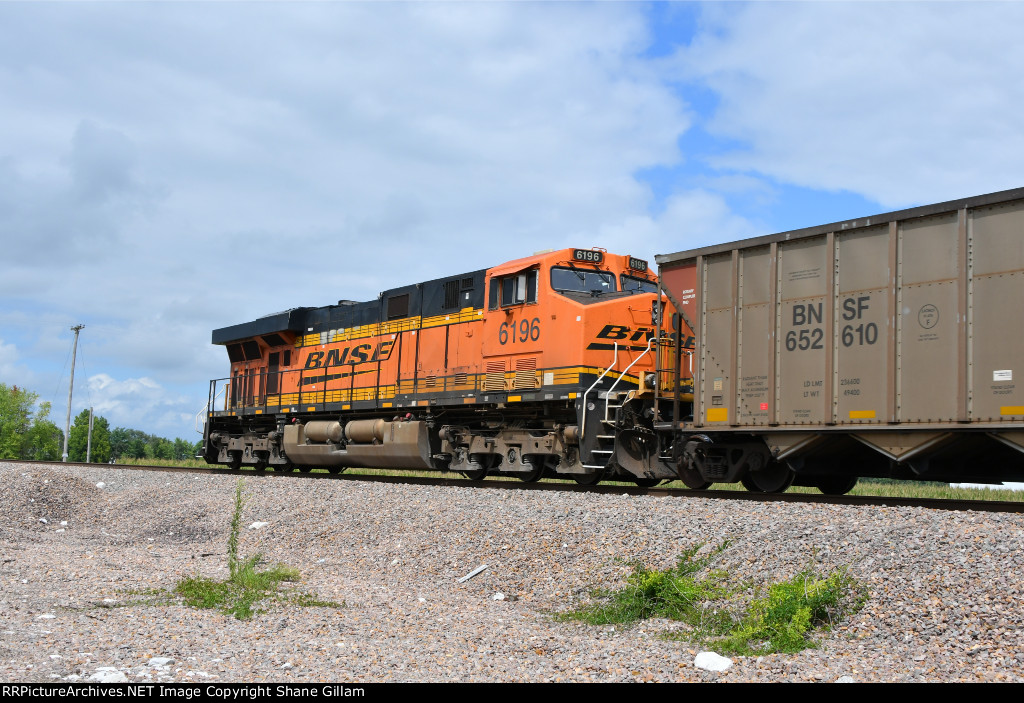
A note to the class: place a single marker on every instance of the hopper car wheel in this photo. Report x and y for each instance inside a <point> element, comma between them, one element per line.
<point>335,469</point>
<point>542,466</point>
<point>646,482</point>
<point>534,475</point>
<point>692,479</point>
<point>775,478</point>
<point>588,479</point>
<point>305,469</point>
<point>749,484</point>
<point>837,485</point>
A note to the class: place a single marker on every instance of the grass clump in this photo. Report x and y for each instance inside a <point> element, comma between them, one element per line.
<point>245,585</point>
<point>785,619</point>
<point>679,593</point>
<point>710,605</point>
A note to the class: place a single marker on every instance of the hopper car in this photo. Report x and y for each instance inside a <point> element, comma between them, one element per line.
<point>886,346</point>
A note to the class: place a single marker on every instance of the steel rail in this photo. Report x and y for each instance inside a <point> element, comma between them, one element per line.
<point>990,506</point>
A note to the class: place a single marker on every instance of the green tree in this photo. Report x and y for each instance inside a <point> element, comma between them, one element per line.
<point>44,441</point>
<point>183,449</point>
<point>21,435</point>
<point>15,419</point>
<point>137,448</point>
<point>119,442</point>
<point>128,443</point>
<point>79,437</point>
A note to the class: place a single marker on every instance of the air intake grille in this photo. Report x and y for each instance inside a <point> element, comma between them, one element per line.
<point>495,378</point>
<point>526,374</point>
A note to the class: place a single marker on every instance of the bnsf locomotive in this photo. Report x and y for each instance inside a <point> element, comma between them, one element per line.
<point>890,346</point>
<point>541,366</point>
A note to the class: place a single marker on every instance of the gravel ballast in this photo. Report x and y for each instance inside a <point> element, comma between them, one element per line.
<point>81,559</point>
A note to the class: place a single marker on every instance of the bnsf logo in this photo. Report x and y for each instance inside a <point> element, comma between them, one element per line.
<point>357,354</point>
<point>622,332</point>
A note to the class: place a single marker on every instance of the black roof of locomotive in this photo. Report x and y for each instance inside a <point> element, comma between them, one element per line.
<point>425,299</point>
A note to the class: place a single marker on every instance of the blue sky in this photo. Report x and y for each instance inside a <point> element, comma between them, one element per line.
<point>170,168</point>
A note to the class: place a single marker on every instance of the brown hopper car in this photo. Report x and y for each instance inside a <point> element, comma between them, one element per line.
<point>889,346</point>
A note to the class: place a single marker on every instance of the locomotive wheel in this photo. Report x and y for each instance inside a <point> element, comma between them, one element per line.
<point>535,474</point>
<point>836,485</point>
<point>234,460</point>
<point>775,478</point>
<point>485,465</point>
<point>262,459</point>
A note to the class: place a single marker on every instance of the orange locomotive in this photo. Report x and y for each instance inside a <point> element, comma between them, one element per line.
<point>541,366</point>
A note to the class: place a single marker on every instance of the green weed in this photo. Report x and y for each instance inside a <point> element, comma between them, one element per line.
<point>706,601</point>
<point>785,619</point>
<point>245,585</point>
<point>680,593</point>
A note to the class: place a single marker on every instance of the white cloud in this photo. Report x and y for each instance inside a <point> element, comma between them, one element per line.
<point>690,220</point>
<point>140,403</point>
<point>234,150</point>
<point>12,371</point>
<point>900,102</point>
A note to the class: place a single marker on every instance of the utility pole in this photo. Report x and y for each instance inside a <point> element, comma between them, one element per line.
<point>88,443</point>
<point>67,424</point>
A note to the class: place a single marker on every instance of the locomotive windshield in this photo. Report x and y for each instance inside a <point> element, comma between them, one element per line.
<point>574,279</point>
<point>641,285</point>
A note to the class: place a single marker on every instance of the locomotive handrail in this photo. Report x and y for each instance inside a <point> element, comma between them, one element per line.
<point>624,372</point>
<point>202,410</point>
<point>615,360</point>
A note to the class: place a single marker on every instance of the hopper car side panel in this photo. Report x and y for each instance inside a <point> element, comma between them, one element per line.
<point>889,346</point>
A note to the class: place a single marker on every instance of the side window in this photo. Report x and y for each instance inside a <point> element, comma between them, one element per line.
<point>516,289</point>
<point>493,299</point>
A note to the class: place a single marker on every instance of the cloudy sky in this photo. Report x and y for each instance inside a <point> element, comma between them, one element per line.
<point>170,168</point>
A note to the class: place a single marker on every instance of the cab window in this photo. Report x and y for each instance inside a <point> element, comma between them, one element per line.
<point>641,285</point>
<point>516,289</point>
<point>574,279</point>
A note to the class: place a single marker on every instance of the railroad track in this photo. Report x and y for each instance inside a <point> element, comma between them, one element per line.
<point>991,506</point>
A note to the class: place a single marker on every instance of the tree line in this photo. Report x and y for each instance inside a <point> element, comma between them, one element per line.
<point>27,432</point>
